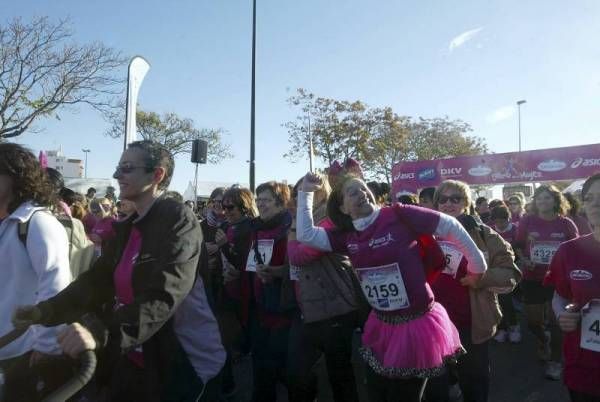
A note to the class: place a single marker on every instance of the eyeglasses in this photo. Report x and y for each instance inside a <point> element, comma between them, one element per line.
<point>126,168</point>
<point>216,202</point>
<point>229,207</point>
<point>454,199</point>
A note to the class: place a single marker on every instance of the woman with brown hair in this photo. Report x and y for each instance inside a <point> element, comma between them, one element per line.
<point>385,246</point>
<point>538,236</point>
<point>329,307</point>
<point>474,310</point>
<point>35,261</point>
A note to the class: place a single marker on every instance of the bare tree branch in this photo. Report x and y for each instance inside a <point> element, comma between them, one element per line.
<point>41,71</point>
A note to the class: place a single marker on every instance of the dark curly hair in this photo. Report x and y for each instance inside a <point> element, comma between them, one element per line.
<point>29,181</point>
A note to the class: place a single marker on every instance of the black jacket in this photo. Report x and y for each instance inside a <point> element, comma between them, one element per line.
<point>163,275</point>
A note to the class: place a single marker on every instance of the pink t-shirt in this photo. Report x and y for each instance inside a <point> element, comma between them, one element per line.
<point>539,239</point>
<point>448,290</point>
<point>575,274</point>
<point>386,258</point>
<point>123,280</point>
<point>104,229</point>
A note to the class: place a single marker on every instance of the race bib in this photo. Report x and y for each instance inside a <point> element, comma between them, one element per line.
<point>265,248</point>
<point>383,287</point>
<point>541,252</point>
<point>294,273</point>
<point>590,326</point>
<point>453,258</point>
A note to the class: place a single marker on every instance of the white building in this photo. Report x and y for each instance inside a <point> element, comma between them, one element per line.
<point>67,166</point>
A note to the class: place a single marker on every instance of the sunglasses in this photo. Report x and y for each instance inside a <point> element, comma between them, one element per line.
<point>125,169</point>
<point>229,207</point>
<point>454,199</point>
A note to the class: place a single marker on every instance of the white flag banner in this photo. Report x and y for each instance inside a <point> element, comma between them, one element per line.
<point>138,67</point>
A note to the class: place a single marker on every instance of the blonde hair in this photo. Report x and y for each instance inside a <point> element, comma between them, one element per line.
<point>461,187</point>
<point>97,203</point>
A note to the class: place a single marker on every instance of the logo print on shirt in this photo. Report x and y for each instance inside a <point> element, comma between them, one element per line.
<point>352,248</point>
<point>557,235</point>
<point>580,275</point>
<point>382,241</point>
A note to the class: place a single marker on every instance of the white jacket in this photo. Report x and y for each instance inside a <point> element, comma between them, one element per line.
<point>30,275</point>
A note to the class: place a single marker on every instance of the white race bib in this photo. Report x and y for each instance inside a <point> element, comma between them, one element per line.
<point>541,252</point>
<point>453,258</point>
<point>294,273</point>
<point>265,248</point>
<point>590,326</point>
<point>383,287</point>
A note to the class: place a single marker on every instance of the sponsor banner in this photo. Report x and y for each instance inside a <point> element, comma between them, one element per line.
<point>567,163</point>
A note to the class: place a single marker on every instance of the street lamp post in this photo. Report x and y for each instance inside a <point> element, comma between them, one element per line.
<point>86,151</point>
<point>252,100</point>
<point>519,103</point>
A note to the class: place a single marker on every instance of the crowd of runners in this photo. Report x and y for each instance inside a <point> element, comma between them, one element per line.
<point>171,298</point>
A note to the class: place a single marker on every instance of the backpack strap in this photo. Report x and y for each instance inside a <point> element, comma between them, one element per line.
<point>23,228</point>
<point>67,223</point>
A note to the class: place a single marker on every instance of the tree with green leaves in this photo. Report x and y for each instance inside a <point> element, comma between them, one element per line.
<point>175,133</point>
<point>402,139</point>
<point>378,137</point>
<point>42,71</point>
<point>340,129</point>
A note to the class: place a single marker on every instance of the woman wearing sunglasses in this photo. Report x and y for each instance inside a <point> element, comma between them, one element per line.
<point>381,242</point>
<point>472,307</point>
<point>516,204</point>
<point>538,236</point>
<point>575,274</point>
<point>132,304</point>
<point>233,240</point>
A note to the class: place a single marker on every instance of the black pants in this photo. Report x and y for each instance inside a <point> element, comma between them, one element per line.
<point>383,389</point>
<point>579,397</point>
<point>333,339</point>
<point>509,316</point>
<point>472,370</point>
<point>269,361</point>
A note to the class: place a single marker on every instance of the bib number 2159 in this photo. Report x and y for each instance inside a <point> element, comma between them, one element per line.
<point>383,287</point>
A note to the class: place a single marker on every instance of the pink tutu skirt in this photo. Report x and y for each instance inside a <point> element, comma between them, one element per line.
<point>417,348</point>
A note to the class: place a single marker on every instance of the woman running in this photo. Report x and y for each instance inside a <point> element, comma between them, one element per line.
<point>474,312</point>
<point>408,337</point>
<point>538,236</point>
<point>575,275</point>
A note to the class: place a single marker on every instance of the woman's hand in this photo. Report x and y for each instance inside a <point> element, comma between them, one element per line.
<point>568,322</point>
<point>526,264</point>
<point>220,238</point>
<point>212,248</point>
<point>75,339</point>
<point>311,183</point>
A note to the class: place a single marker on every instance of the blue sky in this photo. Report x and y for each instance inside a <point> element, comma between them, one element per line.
<point>470,60</point>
